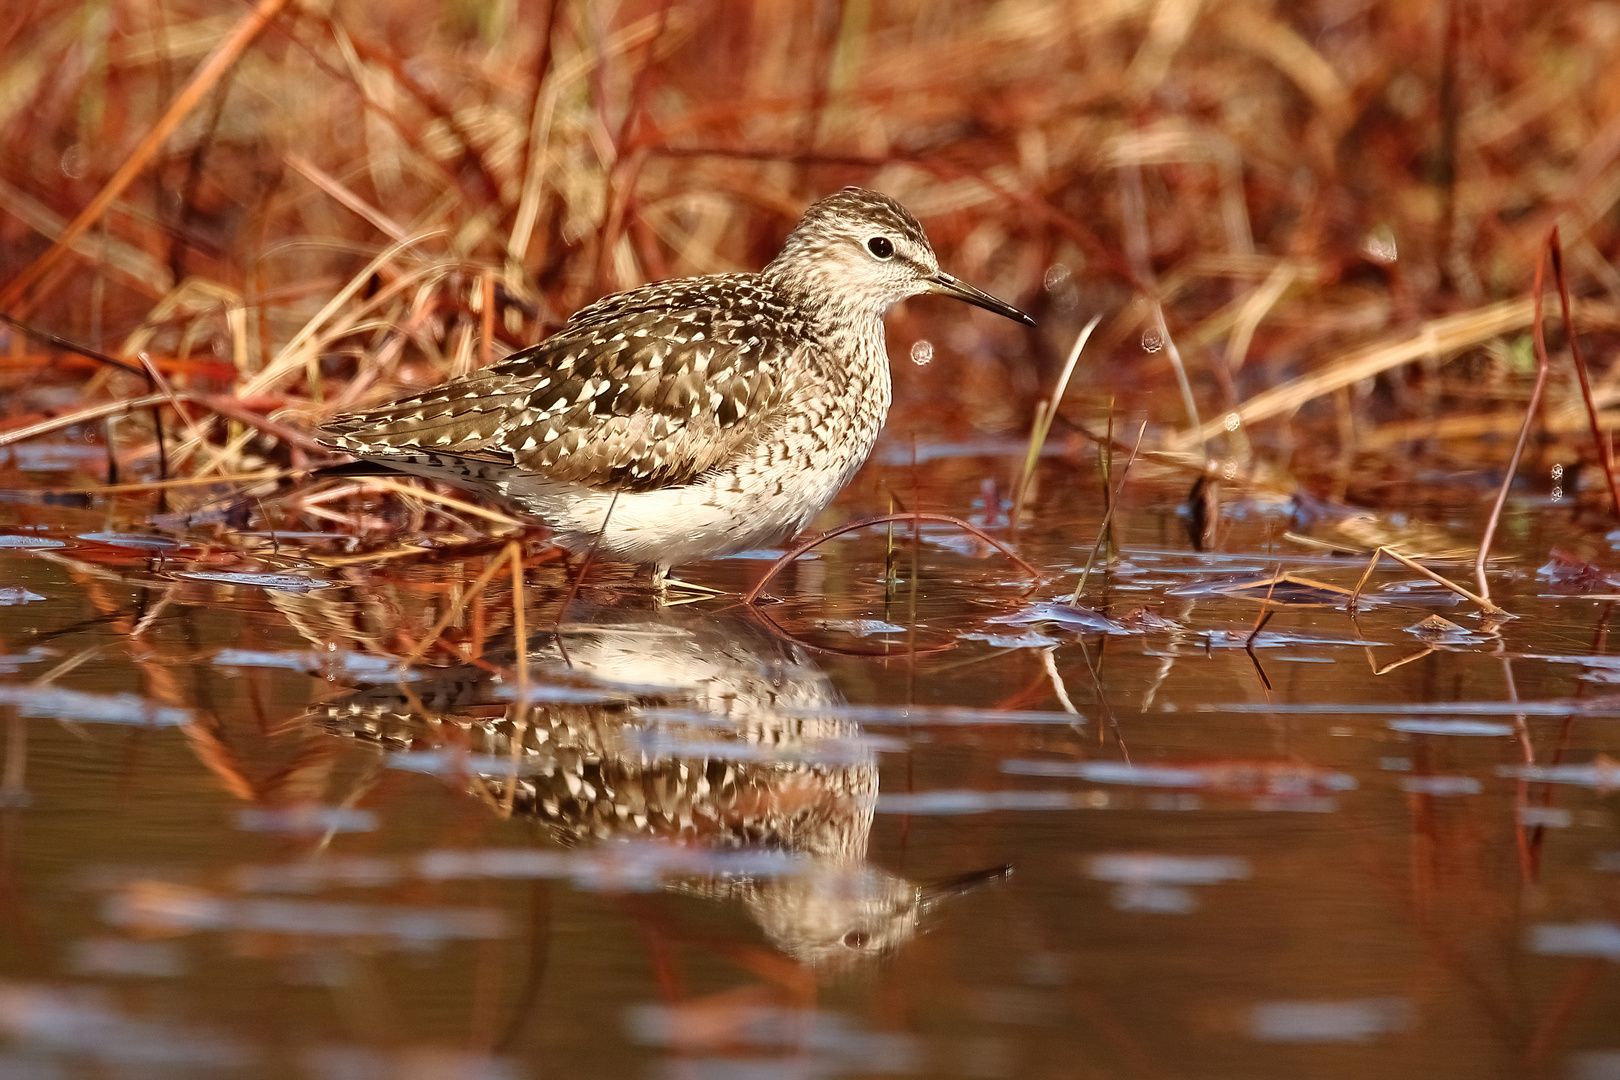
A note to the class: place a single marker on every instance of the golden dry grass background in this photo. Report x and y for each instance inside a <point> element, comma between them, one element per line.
<point>288,208</point>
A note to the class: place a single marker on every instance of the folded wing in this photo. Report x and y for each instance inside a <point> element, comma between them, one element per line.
<point>644,390</point>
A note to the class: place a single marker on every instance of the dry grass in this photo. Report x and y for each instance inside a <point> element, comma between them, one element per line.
<point>269,212</point>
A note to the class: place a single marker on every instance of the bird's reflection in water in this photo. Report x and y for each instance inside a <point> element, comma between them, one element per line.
<point>698,729</point>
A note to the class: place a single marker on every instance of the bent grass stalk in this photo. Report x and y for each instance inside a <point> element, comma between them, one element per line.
<point>1045,413</point>
<point>1483,602</point>
<point>1539,339</point>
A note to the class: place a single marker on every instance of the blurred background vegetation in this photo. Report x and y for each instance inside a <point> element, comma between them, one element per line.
<point>1324,212</point>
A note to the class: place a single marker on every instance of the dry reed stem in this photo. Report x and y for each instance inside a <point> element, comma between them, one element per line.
<point>1560,421</point>
<point>345,196</point>
<point>191,95</point>
<point>1255,308</point>
<point>550,92</point>
<point>404,551</point>
<point>417,492</point>
<point>82,416</point>
<point>1113,503</point>
<point>1434,338</point>
<point>183,482</point>
<point>294,356</point>
<point>135,268</point>
<point>1173,354</point>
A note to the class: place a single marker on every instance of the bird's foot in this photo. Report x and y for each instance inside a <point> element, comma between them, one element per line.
<point>664,586</point>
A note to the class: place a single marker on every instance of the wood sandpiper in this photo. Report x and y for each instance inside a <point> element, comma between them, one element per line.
<point>685,419</point>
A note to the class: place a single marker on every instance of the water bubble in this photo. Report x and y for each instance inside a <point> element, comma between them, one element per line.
<point>1152,341</point>
<point>1057,276</point>
<point>75,162</point>
<point>1557,471</point>
<point>1379,245</point>
<point>1233,421</point>
<point>922,352</point>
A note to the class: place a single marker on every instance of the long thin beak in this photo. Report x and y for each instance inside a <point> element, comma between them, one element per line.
<point>932,894</point>
<point>946,285</point>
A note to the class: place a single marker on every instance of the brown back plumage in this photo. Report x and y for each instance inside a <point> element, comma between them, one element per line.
<point>644,389</point>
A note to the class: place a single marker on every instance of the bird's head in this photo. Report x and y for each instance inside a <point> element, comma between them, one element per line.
<point>864,252</point>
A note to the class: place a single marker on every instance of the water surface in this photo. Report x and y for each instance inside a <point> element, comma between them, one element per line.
<point>904,822</point>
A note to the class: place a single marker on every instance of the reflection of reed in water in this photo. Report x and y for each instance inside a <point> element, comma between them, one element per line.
<point>704,731</point>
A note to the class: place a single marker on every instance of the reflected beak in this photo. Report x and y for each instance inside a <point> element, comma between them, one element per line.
<point>945,285</point>
<point>933,893</point>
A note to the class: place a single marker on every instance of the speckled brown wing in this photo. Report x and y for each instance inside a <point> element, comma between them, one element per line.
<point>642,390</point>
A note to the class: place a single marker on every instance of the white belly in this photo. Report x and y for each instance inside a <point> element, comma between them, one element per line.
<point>755,503</point>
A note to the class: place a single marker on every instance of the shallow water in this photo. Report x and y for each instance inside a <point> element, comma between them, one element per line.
<point>872,830</point>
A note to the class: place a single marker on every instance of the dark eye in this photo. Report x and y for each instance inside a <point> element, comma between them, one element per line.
<point>855,939</point>
<point>880,246</point>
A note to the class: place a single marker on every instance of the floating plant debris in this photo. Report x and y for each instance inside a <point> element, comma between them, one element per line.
<point>254,579</point>
<point>28,543</point>
<point>143,541</point>
<point>1066,617</point>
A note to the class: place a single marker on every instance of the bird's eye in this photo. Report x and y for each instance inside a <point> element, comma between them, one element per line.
<point>855,939</point>
<point>881,246</point>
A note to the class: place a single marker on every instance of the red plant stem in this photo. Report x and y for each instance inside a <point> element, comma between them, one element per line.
<point>1605,452</point>
<point>780,564</point>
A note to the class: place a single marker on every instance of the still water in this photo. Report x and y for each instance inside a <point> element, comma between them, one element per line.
<point>906,822</point>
